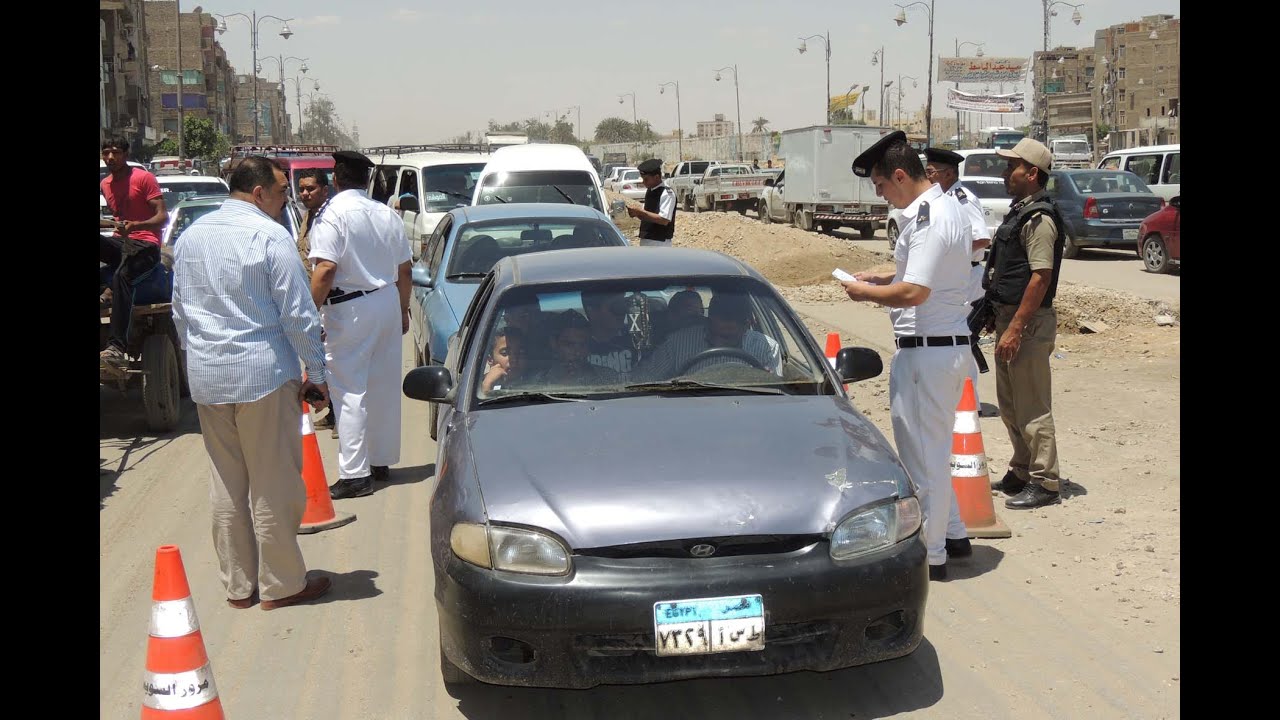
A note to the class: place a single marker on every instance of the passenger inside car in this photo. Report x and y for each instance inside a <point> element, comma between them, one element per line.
<point>570,338</point>
<point>727,331</point>
<point>532,325</point>
<point>610,345</point>
<point>507,360</point>
<point>684,309</point>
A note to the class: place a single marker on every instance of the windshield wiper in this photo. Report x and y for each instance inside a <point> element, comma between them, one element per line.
<point>684,385</point>
<point>564,194</point>
<point>498,197</point>
<point>456,276</point>
<point>533,397</point>
<point>455,194</point>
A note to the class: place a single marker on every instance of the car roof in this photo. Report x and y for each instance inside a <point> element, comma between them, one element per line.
<point>514,211</point>
<point>538,156</point>
<point>199,200</point>
<point>427,159</point>
<point>206,179</point>
<point>1147,149</point>
<point>618,263</point>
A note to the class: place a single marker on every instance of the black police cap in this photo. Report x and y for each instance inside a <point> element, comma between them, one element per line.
<point>942,156</point>
<point>650,166</point>
<point>869,157</point>
<point>351,157</point>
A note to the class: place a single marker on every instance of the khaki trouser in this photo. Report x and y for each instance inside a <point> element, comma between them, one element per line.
<point>257,492</point>
<point>1024,390</point>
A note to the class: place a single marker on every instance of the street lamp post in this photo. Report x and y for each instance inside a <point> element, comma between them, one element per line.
<point>679,124</point>
<point>738,103</point>
<point>1049,12</point>
<point>959,137</point>
<point>901,19</point>
<point>884,91</point>
<point>297,93</point>
<point>915,82</point>
<point>182,144</point>
<point>634,121</point>
<point>285,33</point>
<point>877,58</point>
<point>578,127</point>
<point>826,42</point>
<point>281,61</point>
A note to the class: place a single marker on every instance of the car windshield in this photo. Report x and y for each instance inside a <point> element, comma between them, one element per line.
<point>987,190</point>
<point>649,336</point>
<point>984,164</point>
<point>699,167</point>
<point>541,186</point>
<point>631,175</point>
<point>1101,181</point>
<point>448,186</point>
<point>188,188</point>
<point>184,216</point>
<point>478,246</point>
<point>1005,141</point>
<point>1071,146</point>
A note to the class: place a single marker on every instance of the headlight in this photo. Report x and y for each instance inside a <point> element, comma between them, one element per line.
<point>511,549</point>
<point>875,528</point>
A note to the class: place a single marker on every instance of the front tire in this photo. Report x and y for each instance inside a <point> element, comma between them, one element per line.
<point>868,231</point>
<point>1154,254</point>
<point>160,384</point>
<point>1069,248</point>
<point>891,230</point>
<point>763,211</point>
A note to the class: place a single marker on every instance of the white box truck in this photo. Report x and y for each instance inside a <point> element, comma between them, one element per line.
<point>820,191</point>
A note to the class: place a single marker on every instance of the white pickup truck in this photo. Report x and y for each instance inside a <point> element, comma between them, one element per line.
<point>681,180</point>
<point>725,187</point>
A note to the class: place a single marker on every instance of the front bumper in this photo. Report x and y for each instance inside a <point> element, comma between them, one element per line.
<point>596,625</point>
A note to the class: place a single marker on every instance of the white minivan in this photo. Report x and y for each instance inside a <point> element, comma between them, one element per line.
<point>1159,166</point>
<point>437,182</point>
<point>540,173</point>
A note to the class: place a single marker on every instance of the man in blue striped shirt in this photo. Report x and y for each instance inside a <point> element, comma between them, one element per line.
<point>244,314</point>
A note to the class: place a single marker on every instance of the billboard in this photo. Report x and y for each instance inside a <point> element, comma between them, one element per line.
<point>1007,103</point>
<point>840,102</point>
<point>982,69</point>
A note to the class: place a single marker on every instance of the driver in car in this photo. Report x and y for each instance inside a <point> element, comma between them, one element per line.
<point>725,338</point>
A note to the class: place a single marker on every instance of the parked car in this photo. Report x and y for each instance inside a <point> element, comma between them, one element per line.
<point>1161,238</point>
<point>630,186</point>
<point>714,513</point>
<point>438,181</point>
<point>186,186</point>
<point>1159,166</point>
<point>610,183</point>
<point>464,247</point>
<point>991,193</point>
<point>186,211</point>
<point>1102,208</point>
<point>982,161</point>
<point>540,173</point>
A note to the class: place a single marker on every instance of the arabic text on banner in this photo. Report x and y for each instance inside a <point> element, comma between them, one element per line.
<point>1007,103</point>
<point>982,69</point>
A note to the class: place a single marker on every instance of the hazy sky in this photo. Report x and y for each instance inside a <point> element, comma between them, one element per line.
<point>406,72</point>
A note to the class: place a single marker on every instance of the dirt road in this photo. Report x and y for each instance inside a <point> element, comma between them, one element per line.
<point>1076,615</point>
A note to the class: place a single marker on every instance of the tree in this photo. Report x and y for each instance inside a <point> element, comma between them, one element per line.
<point>614,130</point>
<point>165,147</point>
<point>844,116</point>
<point>759,125</point>
<point>464,139</point>
<point>202,139</point>
<point>324,126</point>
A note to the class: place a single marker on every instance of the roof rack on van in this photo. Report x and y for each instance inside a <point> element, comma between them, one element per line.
<point>398,150</point>
<point>282,150</point>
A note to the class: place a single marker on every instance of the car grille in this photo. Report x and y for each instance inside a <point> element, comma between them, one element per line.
<point>728,546</point>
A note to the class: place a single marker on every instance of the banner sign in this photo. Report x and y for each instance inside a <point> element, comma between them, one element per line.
<point>1007,103</point>
<point>840,102</point>
<point>982,69</point>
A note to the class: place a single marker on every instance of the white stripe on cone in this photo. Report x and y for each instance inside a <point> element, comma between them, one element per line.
<point>967,466</point>
<point>173,618</point>
<point>966,422</point>
<point>306,425</point>
<point>179,691</point>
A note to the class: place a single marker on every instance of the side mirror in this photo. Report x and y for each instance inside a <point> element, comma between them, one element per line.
<point>768,182</point>
<point>1176,201</point>
<point>697,181</point>
<point>666,175</point>
<point>855,363</point>
<point>409,204</point>
<point>420,276</point>
<point>432,382</point>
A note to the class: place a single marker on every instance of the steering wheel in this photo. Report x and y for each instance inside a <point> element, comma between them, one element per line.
<point>737,353</point>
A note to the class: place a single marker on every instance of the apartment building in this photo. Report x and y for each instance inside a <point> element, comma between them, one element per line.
<point>715,128</point>
<point>208,80</point>
<point>123,97</point>
<point>1140,78</point>
<point>273,114</point>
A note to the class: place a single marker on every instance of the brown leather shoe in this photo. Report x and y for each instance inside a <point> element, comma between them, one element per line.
<point>316,587</point>
<point>245,603</point>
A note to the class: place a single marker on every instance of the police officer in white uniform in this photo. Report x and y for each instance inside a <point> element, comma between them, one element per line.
<point>361,283</point>
<point>943,167</point>
<point>658,216</point>
<point>928,297</point>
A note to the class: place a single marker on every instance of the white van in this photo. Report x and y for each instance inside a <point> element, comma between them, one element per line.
<point>1159,166</point>
<point>540,173</point>
<point>438,181</point>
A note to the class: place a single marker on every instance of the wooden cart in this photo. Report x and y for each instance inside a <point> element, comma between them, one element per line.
<point>156,363</point>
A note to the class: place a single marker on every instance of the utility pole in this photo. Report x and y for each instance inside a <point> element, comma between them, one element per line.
<point>182,145</point>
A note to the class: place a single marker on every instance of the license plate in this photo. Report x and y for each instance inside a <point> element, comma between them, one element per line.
<point>709,625</point>
<point>1131,234</point>
<point>743,196</point>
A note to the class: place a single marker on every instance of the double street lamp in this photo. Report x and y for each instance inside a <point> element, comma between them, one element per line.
<point>297,94</point>
<point>915,82</point>
<point>679,125</point>
<point>884,92</point>
<point>285,33</point>
<point>826,42</point>
<point>901,19</point>
<point>877,58</point>
<point>738,102</point>
<point>1049,12</point>
<point>280,61</point>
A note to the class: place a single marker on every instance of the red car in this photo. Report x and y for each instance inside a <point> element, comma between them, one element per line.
<point>1159,242</point>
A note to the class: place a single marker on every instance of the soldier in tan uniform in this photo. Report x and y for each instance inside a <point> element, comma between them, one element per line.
<point>313,190</point>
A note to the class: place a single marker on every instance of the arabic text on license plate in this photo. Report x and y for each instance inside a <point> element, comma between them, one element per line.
<point>709,625</point>
<point>1131,234</point>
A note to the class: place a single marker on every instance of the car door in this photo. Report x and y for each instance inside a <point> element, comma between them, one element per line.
<point>458,352</point>
<point>431,301</point>
<point>1174,245</point>
<point>408,185</point>
<point>778,208</point>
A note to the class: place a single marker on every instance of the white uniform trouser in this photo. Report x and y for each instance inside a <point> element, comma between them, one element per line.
<point>362,355</point>
<point>924,389</point>
<point>975,292</point>
<point>655,243</point>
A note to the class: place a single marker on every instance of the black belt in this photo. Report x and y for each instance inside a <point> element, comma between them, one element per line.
<point>337,296</point>
<point>931,341</point>
<point>974,264</point>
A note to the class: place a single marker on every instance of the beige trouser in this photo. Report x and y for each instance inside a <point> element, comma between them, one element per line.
<point>1024,390</point>
<point>256,488</point>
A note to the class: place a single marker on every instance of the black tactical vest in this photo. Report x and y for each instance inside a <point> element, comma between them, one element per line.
<point>1008,269</point>
<point>652,230</point>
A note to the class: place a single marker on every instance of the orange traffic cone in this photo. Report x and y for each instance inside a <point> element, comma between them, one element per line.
<point>969,472</point>
<point>833,348</point>
<point>319,514</point>
<point>178,682</point>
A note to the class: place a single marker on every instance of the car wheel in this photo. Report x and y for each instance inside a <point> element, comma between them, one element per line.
<point>763,211</point>
<point>806,221</point>
<point>868,231</point>
<point>1069,248</point>
<point>891,230</point>
<point>1154,254</point>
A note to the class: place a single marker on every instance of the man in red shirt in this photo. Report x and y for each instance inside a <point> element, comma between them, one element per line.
<point>138,214</point>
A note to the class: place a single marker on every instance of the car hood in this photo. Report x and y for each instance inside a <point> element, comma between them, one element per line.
<point>647,469</point>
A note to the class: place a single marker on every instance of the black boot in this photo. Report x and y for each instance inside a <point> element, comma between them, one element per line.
<point>381,473</point>
<point>351,488</point>
<point>959,548</point>
<point>1011,484</point>
<point>938,572</point>
<point>1033,496</point>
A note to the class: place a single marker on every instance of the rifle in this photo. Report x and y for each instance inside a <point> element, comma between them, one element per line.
<point>981,316</point>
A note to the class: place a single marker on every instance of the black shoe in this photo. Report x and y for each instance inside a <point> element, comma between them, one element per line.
<point>1011,484</point>
<point>351,488</point>
<point>1033,496</point>
<point>381,473</point>
<point>326,422</point>
<point>959,548</point>
<point>938,572</point>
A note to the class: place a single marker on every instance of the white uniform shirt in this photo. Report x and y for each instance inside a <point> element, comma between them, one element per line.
<point>934,253</point>
<point>364,238</point>
<point>972,209</point>
<point>667,203</point>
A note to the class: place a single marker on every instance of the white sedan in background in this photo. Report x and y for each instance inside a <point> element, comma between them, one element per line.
<point>611,182</point>
<point>629,185</point>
